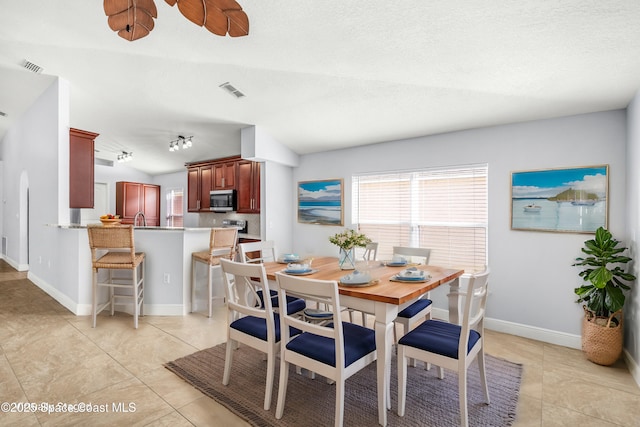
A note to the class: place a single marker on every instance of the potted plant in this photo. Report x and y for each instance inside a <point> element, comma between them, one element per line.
<point>347,241</point>
<point>603,296</point>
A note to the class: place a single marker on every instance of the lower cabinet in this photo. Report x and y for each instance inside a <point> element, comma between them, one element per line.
<point>134,197</point>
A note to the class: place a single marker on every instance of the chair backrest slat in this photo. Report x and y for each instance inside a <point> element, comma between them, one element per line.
<point>222,239</point>
<point>108,238</point>
<point>265,248</point>
<point>240,290</point>
<point>423,253</point>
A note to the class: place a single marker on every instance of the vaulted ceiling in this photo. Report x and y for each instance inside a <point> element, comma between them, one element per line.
<point>319,75</point>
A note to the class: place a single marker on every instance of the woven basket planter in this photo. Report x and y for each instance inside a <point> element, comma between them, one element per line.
<point>602,337</point>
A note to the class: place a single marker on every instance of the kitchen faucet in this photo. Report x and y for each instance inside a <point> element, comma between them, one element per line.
<point>135,219</point>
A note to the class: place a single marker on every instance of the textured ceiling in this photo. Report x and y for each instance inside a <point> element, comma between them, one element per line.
<point>319,75</point>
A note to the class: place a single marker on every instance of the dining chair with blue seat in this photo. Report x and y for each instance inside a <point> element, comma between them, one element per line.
<point>421,308</point>
<point>336,350</point>
<point>251,321</point>
<point>259,253</point>
<point>449,345</point>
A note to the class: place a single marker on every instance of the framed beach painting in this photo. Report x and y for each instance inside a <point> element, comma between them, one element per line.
<point>321,202</point>
<point>571,200</point>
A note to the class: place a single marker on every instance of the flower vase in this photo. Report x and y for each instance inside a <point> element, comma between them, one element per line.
<point>347,259</point>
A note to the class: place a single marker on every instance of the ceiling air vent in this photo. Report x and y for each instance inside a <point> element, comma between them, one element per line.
<point>32,67</point>
<point>232,90</point>
<point>3,114</point>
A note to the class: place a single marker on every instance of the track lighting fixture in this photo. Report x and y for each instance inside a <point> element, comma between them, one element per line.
<point>125,156</point>
<point>182,141</point>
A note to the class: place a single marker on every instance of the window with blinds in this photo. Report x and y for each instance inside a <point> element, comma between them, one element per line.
<point>175,217</point>
<point>445,209</point>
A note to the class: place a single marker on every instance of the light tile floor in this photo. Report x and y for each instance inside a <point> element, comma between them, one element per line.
<point>48,355</point>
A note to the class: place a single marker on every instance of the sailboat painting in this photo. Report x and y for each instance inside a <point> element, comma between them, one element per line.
<point>572,200</point>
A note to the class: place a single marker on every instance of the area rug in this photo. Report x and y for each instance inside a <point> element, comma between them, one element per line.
<point>310,402</point>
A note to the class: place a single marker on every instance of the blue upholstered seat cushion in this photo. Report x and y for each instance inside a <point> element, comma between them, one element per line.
<point>438,337</point>
<point>318,314</point>
<point>415,308</point>
<point>358,342</point>
<point>257,327</point>
<point>294,304</point>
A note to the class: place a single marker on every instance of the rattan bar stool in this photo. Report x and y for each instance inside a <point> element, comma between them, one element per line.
<point>120,255</point>
<point>222,244</point>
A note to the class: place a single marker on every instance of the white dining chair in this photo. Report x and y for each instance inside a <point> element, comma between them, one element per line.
<point>336,351</point>
<point>449,345</point>
<point>251,320</point>
<point>369,254</point>
<point>259,253</point>
<point>420,309</point>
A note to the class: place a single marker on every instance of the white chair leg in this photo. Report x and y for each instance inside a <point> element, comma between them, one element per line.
<point>94,302</point>
<point>282,388</point>
<point>440,372</point>
<point>483,376</point>
<point>402,381</point>
<point>228,361</point>
<point>462,392</point>
<point>271,369</point>
<point>339,415</point>
<point>134,283</point>
<point>210,291</point>
<point>193,284</point>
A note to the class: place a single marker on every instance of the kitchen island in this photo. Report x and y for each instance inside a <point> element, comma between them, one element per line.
<point>167,273</point>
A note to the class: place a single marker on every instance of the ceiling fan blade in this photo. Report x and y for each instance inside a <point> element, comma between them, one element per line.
<point>113,7</point>
<point>224,4</point>
<point>193,10</point>
<point>171,2</point>
<point>137,31</point>
<point>216,22</point>
<point>130,17</point>
<point>238,23</point>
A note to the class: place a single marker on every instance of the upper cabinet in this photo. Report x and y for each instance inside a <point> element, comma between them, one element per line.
<point>248,187</point>
<point>134,197</point>
<point>81,165</point>
<point>224,175</point>
<point>231,173</point>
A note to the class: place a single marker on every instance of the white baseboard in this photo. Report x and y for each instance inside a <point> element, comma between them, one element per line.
<point>532,332</point>
<point>12,263</point>
<point>54,293</point>
<point>632,365</point>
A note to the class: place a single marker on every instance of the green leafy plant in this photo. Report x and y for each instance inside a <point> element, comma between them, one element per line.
<point>349,239</point>
<point>604,292</point>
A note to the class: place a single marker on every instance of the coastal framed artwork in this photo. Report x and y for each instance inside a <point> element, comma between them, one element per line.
<point>321,202</point>
<point>571,200</point>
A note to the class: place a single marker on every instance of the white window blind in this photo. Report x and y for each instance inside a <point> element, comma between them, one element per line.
<point>175,208</point>
<point>445,209</point>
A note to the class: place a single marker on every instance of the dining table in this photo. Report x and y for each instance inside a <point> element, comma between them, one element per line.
<point>383,297</point>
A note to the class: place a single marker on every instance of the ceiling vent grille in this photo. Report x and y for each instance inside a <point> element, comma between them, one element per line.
<point>32,67</point>
<point>232,90</point>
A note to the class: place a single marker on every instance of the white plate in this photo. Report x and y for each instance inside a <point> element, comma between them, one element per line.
<point>395,264</point>
<point>300,272</point>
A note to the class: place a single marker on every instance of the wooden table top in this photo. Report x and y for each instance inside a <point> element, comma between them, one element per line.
<point>385,290</point>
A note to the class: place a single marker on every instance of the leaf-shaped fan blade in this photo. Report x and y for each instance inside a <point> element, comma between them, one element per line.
<point>130,18</point>
<point>193,10</point>
<point>137,31</point>
<point>113,7</point>
<point>217,22</point>
<point>171,2</point>
<point>238,23</point>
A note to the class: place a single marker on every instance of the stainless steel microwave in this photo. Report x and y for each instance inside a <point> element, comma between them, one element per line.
<point>223,200</point>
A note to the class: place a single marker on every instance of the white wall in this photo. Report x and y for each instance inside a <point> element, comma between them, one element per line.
<point>632,305</point>
<point>276,200</point>
<point>532,279</point>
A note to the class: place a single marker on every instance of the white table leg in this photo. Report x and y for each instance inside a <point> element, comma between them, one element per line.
<point>385,313</point>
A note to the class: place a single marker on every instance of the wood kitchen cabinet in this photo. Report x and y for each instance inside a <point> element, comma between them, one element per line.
<point>248,186</point>
<point>224,175</point>
<point>81,166</point>
<point>134,197</point>
<point>199,183</point>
